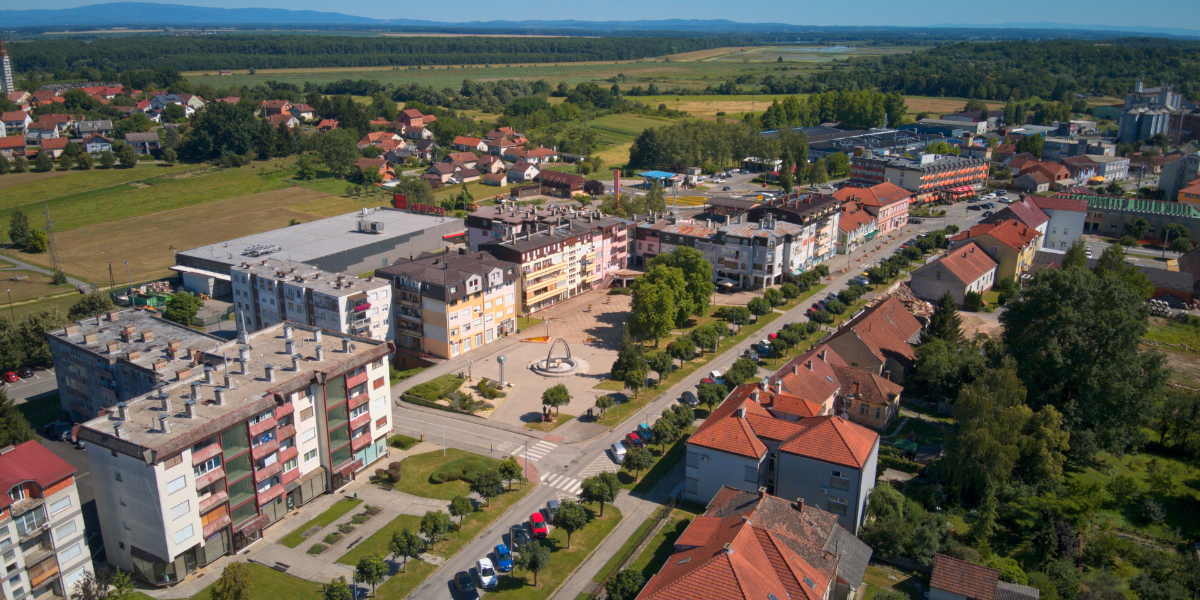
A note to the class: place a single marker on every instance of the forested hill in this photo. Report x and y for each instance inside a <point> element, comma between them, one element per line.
<point>246,51</point>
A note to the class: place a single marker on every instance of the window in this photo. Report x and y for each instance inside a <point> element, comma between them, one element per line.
<point>174,485</point>
<point>183,534</point>
<point>838,481</point>
<point>771,463</point>
<point>60,506</point>
<point>289,465</point>
<point>838,505</point>
<point>751,474</point>
<point>174,460</point>
<point>358,412</point>
<point>260,418</point>
<point>381,423</point>
<point>306,414</point>
<point>206,466</point>
<point>180,509</point>
<point>69,553</point>
<point>308,435</point>
<point>310,456</point>
<point>65,530</point>
<point>378,383</point>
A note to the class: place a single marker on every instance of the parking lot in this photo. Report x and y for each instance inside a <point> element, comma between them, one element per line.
<point>40,381</point>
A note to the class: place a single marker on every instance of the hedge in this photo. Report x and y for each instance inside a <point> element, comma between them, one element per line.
<point>465,469</point>
<point>900,464</point>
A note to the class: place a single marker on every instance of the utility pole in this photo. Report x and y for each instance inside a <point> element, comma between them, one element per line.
<point>55,264</point>
<point>111,283</point>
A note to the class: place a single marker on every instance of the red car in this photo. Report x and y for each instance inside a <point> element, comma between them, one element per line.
<point>537,523</point>
<point>707,380</point>
<point>634,440</point>
<point>11,377</point>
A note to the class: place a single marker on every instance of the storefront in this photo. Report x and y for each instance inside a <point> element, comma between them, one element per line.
<point>304,489</point>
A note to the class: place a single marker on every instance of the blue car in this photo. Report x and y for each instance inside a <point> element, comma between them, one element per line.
<point>644,432</point>
<point>504,562</point>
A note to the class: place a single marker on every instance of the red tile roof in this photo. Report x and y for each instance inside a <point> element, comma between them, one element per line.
<point>16,115</point>
<point>54,144</point>
<point>276,104</point>
<point>462,157</point>
<point>30,461</point>
<point>963,578</point>
<point>833,440</point>
<point>853,216</point>
<point>881,194</point>
<point>463,140</point>
<point>724,430</point>
<point>1060,204</point>
<point>1025,210</point>
<point>885,329</point>
<point>966,263</point>
<point>868,386</point>
<point>810,376</point>
<point>1011,233</point>
<point>330,123</point>
<point>537,152</point>
<point>12,141</point>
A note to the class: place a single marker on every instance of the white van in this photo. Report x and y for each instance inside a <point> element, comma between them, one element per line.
<point>618,451</point>
<point>715,376</point>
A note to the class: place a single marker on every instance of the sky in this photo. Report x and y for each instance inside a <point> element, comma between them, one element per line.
<point>1163,13</point>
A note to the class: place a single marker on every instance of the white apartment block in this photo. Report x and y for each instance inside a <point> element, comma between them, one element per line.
<point>195,470</point>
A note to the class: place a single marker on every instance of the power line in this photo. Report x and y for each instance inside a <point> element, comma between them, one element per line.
<point>55,263</point>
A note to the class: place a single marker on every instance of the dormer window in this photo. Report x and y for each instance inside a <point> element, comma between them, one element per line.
<point>17,493</point>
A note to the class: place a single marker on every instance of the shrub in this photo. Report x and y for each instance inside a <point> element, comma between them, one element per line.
<point>468,469</point>
<point>1152,511</point>
<point>438,389</point>
<point>620,291</point>
<point>402,442</point>
<point>973,302</point>
<point>899,464</point>
<point>821,317</point>
<point>345,528</point>
<point>332,539</point>
<point>835,306</point>
<point>316,548</point>
<point>359,519</point>
<point>1128,241</point>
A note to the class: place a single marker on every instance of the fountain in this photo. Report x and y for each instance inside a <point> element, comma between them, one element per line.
<point>561,365</point>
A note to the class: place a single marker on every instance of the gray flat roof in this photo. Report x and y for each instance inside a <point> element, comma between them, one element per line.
<point>314,240</point>
<point>147,352</point>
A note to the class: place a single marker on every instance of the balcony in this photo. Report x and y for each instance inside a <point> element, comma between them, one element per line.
<point>262,426</point>
<point>284,410</point>
<point>42,574</point>
<point>213,501</point>
<point>408,298</point>
<point>360,420</point>
<point>37,553</point>
<point>289,477</point>
<point>288,454</point>
<point>287,432</point>
<point>360,442</point>
<point>210,477</point>
<point>262,450</point>
<point>273,492</point>
<point>206,453</point>
<point>217,525</point>
<point>267,472</point>
<point>352,381</point>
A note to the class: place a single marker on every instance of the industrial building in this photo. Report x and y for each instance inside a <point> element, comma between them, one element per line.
<point>928,177</point>
<point>352,243</point>
<point>196,469</point>
<point>1147,112</point>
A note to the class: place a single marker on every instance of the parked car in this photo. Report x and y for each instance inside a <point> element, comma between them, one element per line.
<point>537,525</point>
<point>58,430</point>
<point>551,510</point>
<point>689,399</point>
<point>707,380</point>
<point>914,220</point>
<point>487,574</point>
<point>519,537</point>
<point>975,207</point>
<point>644,432</point>
<point>618,451</point>
<point>634,440</point>
<point>986,214</point>
<point>464,586</point>
<point>716,376</point>
<point>725,189</point>
<point>25,372</point>
<point>504,562</point>
<point>11,377</point>
<point>1001,192</point>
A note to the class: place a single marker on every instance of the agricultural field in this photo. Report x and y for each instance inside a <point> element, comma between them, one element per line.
<point>806,53</point>
<point>627,126</point>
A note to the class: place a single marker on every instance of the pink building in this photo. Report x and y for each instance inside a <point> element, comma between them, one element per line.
<point>887,202</point>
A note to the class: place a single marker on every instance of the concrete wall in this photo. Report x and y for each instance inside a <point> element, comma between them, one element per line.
<point>708,470</point>
<point>66,529</point>
<point>801,477</point>
<point>129,509</point>
<point>1064,227</point>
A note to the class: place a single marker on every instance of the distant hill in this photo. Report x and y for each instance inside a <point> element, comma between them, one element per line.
<point>143,14</point>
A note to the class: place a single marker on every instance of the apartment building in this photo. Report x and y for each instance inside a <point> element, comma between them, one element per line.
<point>272,291</point>
<point>818,214</point>
<point>887,202</point>
<point>449,303</point>
<point>929,176</point>
<point>120,355</point>
<point>572,255</point>
<point>42,543</point>
<point>655,235</point>
<point>195,470</point>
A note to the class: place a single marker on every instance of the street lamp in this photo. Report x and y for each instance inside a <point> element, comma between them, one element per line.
<point>10,308</point>
<point>130,279</point>
<point>469,363</point>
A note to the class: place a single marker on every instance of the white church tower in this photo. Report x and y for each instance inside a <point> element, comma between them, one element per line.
<point>6,78</point>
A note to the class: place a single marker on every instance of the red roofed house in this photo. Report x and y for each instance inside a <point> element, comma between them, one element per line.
<point>560,185</point>
<point>464,143</point>
<point>964,269</point>
<point>16,122</point>
<point>42,504</point>
<point>303,112</point>
<point>886,201</point>
<point>378,165</point>
<point>276,107</point>
<point>1034,182</point>
<point>376,138</point>
<point>490,164</point>
<point>747,444</point>
<point>283,119</point>
<point>855,227</point>
<point>1066,221</point>
<point>13,145</point>
<point>327,125</point>
<point>468,159</point>
<point>1027,212</point>
<point>541,155</point>
<point>413,118</point>
<point>954,579</point>
<point>54,146</point>
<point>1010,243</point>
<point>752,545</point>
<point>879,339</point>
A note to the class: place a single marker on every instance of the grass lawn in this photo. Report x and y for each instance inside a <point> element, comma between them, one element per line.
<point>661,546</point>
<point>416,471</point>
<point>562,560</point>
<point>629,126</point>
<point>892,578</point>
<point>619,557</point>
<point>438,387</point>
<point>524,323</point>
<point>63,303</point>
<point>270,584</point>
<point>663,463</point>
<point>34,285</point>
<point>330,515</point>
<point>561,420</point>
<point>1172,332</point>
<point>43,409</point>
<point>927,433</point>
<point>1180,505</point>
<point>35,188</point>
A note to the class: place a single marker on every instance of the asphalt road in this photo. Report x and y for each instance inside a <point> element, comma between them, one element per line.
<point>42,382</point>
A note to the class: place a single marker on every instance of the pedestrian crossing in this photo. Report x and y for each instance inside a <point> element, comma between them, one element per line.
<point>538,450</point>
<point>602,464</point>
<point>569,485</point>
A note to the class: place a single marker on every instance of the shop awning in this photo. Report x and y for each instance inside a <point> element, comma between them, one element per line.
<point>871,235</point>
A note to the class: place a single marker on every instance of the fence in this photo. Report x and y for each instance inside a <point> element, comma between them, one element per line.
<point>630,552</point>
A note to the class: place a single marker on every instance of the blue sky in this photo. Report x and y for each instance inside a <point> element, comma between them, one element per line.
<point>1164,13</point>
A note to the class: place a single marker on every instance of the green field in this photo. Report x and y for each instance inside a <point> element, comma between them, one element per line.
<point>627,126</point>
<point>31,188</point>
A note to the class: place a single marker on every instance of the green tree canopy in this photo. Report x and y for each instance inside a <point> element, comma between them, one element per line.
<point>601,489</point>
<point>556,397</point>
<point>533,557</point>
<point>945,324</point>
<point>182,307</point>
<point>236,583</point>
<point>95,303</point>
<point>637,460</point>
<point>371,570</point>
<point>435,525</point>
<point>571,516</point>
<point>461,506</point>
<point>405,544</point>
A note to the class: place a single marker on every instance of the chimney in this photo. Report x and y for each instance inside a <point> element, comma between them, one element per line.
<point>741,412</point>
<point>122,412</point>
<point>245,337</point>
<point>291,346</point>
<point>72,329</point>
<point>90,338</point>
<point>228,382</point>
<point>795,369</point>
<point>196,391</point>
<point>756,397</point>
<point>219,395</point>
<point>114,315</point>
<point>320,354</point>
<point>345,344</point>
<point>799,505</point>
<point>189,408</point>
<point>822,355</point>
<point>244,354</point>
<point>164,425</point>
<point>270,371</point>
<point>808,365</point>
<point>287,332</point>
<point>778,386</point>
<point>728,548</point>
<point>127,333</point>
<point>166,402</point>
<point>209,375</point>
<point>857,389</point>
<point>296,363</point>
<point>147,336</point>
<point>119,431</point>
<point>762,491</point>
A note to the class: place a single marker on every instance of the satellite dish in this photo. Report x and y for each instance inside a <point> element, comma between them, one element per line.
<point>353,347</point>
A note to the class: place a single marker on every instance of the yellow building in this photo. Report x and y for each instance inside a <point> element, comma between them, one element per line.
<point>1010,243</point>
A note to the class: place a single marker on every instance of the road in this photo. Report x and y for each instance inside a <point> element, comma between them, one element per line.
<point>565,465</point>
<point>42,382</point>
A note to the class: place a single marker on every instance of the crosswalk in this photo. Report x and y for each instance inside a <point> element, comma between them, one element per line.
<point>602,464</point>
<point>569,485</point>
<point>538,450</point>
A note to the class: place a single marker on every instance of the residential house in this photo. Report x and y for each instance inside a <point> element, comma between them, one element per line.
<point>425,149</point>
<point>276,107</point>
<point>560,185</point>
<point>229,100</point>
<point>198,468</point>
<point>1082,168</point>
<point>12,146</point>
<point>497,146</point>
<point>466,159</point>
<point>887,202</point>
<point>415,133</point>
<point>450,303</point>
<point>327,125</point>
<point>16,121</point>
<point>19,96</point>
<point>1026,211</point>
<point>964,269</point>
<point>97,144</point>
<point>1191,193</point>
<point>41,131</point>
<point>191,102</point>
<point>752,545</point>
<point>810,383</point>
<point>144,143</point>
<point>443,171</point>
<point>54,147</point>
<point>954,579</point>
<point>1034,182</point>
<point>1017,162</point>
<point>1066,221</point>
<point>465,176</point>
<point>825,459</point>
<point>378,165</point>
<point>1054,172</point>
<point>41,523</point>
<point>867,398</point>
<point>515,155</point>
<point>284,119</point>
<point>376,138</point>
<point>495,179</point>
<point>1112,168</point>
<point>85,129</point>
<point>490,164</point>
<point>523,171</point>
<point>464,143</point>
<point>1010,243</point>
<point>541,155</point>
<point>303,112</point>
<point>412,117</point>
<point>879,339</point>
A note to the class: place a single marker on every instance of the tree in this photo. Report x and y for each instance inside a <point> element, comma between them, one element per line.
<point>773,296</point>
<point>461,506</point>
<point>710,394</point>
<point>43,162</point>
<point>741,370</point>
<point>1123,489</point>
<point>604,403</point>
<point>817,172</point>
<point>32,331</point>
<point>434,525</point>
<point>593,187</point>
<point>1112,263</point>
<point>306,169</point>
<point>20,164</point>
<point>665,432</point>
<point>5,166</point>
<point>337,589</point>
<point>338,149</point>
<point>983,451</point>
<point>945,324</point>
<point>637,460</point>
<point>182,307</point>
<point>18,227</point>
<point>170,156</point>
<point>84,162</point>
<point>236,583</point>
<point>653,309</point>
<point>108,159</point>
<point>790,291</point>
<point>174,113</point>
<point>787,179</point>
<point>601,488</point>
<point>1174,231</point>
<point>511,470</point>
<point>488,485</point>
<point>626,584</point>
<point>570,517</point>
<point>1076,339</point>
<point>737,315</point>
<point>169,138</point>
<point>93,304</point>
<point>942,368</point>
<point>371,570</point>
<point>104,584</point>
<point>1076,255</point>
<point>758,306</point>
<point>697,277</point>
<point>661,363</point>
<point>682,349</point>
<point>127,156</point>
<point>65,162</point>
<point>556,397</point>
<point>37,241</point>
<point>630,366</point>
<point>1137,228</point>
<point>534,557</point>
<point>405,544</point>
